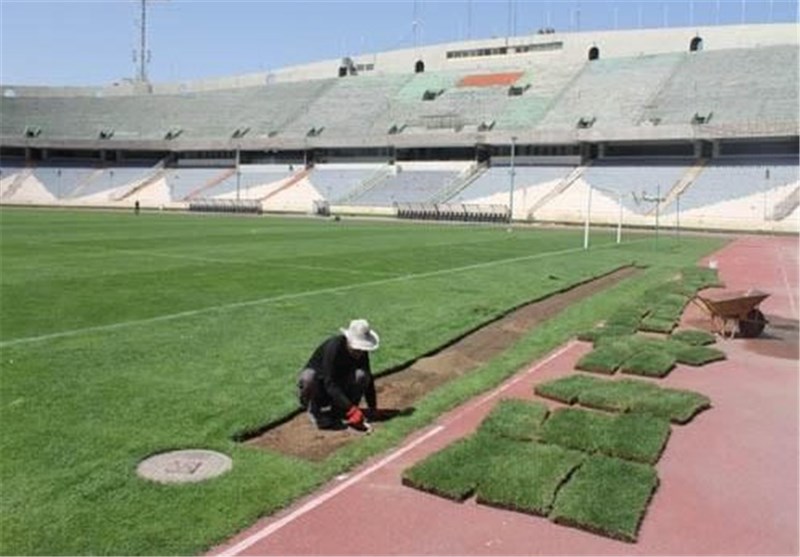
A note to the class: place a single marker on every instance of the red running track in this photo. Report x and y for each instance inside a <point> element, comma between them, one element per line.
<point>729,479</point>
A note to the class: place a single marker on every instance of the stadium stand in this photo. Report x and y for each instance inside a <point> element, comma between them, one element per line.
<point>636,180</point>
<point>542,86</point>
<point>337,181</point>
<point>348,108</point>
<point>745,189</point>
<point>187,183</point>
<point>596,92</point>
<point>695,116</point>
<point>408,183</point>
<point>497,182</point>
<point>708,86</point>
<point>249,182</point>
<point>66,182</point>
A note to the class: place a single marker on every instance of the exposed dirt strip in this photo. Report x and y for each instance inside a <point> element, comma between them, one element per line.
<point>398,391</point>
<point>729,482</point>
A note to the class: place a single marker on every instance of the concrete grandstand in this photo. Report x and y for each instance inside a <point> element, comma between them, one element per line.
<point>692,126</point>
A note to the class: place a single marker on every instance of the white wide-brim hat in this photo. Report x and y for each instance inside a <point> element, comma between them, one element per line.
<point>360,336</point>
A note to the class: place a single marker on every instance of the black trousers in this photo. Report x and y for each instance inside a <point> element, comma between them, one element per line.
<point>312,394</point>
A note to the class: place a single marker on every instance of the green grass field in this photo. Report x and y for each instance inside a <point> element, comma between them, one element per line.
<point>125,336</point>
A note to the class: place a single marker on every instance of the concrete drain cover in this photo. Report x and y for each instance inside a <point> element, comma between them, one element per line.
<point>193,465</point>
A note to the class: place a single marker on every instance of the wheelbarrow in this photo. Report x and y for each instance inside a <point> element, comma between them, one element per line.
<point>734,311</point>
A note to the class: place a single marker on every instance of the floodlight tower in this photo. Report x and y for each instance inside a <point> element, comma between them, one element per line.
<point>511,173</point>
<point>142,57</point>
<point>415,25</point>
<point>658,200</point>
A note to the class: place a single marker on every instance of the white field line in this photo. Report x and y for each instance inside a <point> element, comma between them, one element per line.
<point>266,262</point>
<point>789,290</point>
<point>202,259</point>
<point>331,269</point>
<point>319,500</point>
<point>283,297</point>
<point>309,506</point>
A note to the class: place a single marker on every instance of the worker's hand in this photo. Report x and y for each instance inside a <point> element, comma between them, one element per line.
<point>355,417</point>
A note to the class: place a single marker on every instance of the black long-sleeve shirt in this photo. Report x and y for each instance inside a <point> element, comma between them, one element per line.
<point>336,366</point>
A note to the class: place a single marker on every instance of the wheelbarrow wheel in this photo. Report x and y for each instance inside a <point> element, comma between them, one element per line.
<point>752,325</point>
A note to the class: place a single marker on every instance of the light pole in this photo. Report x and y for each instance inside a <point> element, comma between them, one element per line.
<point>657,200</point>
<point>511,180</point>
<point>238,171</point>
<point>586,221</point>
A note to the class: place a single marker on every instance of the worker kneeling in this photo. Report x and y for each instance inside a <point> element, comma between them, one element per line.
<point>338,376</point>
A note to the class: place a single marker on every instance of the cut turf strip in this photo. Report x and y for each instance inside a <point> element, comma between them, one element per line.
<point>604,359</point>
<point>625,395</point>
<point>527,477</point>
<point>676,405</point>
<point>515,419</point>
<point>567,389</point>
<point>638,437</point>
<point>649,363</point>
<point>454,471</point>
<point>693,355</point>
<point>695,337</point>
<point>607,496</point>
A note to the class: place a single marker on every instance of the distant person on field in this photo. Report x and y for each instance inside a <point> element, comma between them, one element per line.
<point>337,376</point>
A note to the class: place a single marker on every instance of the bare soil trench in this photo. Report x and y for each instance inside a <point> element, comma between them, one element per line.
<point>397,391</point>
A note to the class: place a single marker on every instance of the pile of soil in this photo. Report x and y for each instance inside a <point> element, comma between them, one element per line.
<point>398,390</point>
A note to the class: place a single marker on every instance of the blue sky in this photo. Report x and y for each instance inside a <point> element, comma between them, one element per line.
<point>83,42</point>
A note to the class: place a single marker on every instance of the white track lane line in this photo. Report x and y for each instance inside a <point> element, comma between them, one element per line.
<point>789,290</point>
<point>322,498</point>
<point>509,383</point>
<point>317,501</point>
<point>283,297</point>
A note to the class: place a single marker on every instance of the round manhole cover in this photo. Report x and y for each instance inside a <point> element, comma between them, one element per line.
<point>192,465</point>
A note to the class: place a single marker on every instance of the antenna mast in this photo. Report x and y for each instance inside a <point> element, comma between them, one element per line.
<point>144,54</point>
<point>415,25</point>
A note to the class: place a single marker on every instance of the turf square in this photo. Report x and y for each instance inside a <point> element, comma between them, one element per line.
<point>576,429</point>
<point>454,471</point>
<point>695,337</point>
<point>696,278</point>
<point>677,405</point>
<point>628,316</point>
<point>527,477</point>
<point>605,358</point>
<point>635,436</point>
<point>607,331</point>
<point>616,396</point>
<point>650,363</point>
<point>567,389</point>
<point>515,419</point>
<point>607,496</point>
<point>638,437</point>
<point>695,355</point>
<point>657,324</point>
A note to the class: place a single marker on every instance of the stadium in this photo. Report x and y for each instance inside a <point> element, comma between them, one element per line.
<point>696,126</point>
<point>531,222</point>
